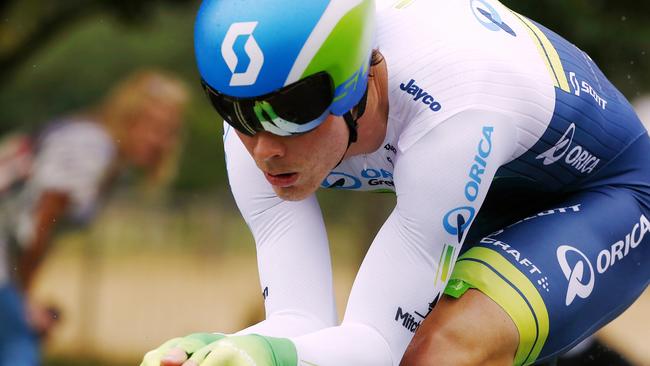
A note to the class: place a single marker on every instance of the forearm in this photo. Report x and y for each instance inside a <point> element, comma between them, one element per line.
<point>292,251</point>
<point>391,295</point>
<point>286,324</point>
<point>50,208</point>
<point>295,270</point>
<point>348,344</point>
<point>29,260</point>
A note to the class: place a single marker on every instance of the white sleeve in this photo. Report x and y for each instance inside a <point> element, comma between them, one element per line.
<point>73,159</point>
<point>446,173</point>
<point>292,250</point>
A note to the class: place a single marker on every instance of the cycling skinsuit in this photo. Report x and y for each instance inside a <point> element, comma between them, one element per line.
<point>519,170</point>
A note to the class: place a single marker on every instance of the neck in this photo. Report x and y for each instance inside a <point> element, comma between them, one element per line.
<point>372,125</point>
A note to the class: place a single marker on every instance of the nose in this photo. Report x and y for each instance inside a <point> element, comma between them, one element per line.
<point>268,146</point>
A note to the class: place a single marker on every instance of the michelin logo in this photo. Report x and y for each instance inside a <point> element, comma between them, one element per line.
<point>408,321</point>
<point>577,157</point>
<point>253,51</point>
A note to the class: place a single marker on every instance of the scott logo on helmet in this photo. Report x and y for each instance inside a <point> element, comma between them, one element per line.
<point>252,49</point>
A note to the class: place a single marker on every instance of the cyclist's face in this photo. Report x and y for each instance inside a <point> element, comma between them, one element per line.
<point>295,166</point>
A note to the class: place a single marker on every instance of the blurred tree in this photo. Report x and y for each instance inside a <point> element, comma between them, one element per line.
<point>28,25</point>
<point>616,34</point>
<point>72,72</point>
<point>95,42</point>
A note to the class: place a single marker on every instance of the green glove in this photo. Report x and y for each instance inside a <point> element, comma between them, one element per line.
<point>189,344</point>
<point>249,350</point>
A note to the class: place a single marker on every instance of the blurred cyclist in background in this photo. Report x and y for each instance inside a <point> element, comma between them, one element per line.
<point>61,174</point>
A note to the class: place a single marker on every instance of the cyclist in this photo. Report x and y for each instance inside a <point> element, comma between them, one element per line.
<point>521,176</point>
<point>61,174</point>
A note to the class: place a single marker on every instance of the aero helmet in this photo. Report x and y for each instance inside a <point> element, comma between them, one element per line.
<point>283,66</point>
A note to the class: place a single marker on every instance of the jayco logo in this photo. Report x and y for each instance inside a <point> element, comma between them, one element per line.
<point>577,157</point>
<point>420,95</point>
<point>578,285</point>
<point>252,49</point>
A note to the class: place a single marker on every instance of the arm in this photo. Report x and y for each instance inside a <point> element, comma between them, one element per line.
<point>409,261</point>
<point>293,262</point>
<point>404,271</point>
<point>50,209</point>
<point>70,166</point>
<point>292,250</point>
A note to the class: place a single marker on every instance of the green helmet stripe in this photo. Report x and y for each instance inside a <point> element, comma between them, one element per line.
<point>351,40</point>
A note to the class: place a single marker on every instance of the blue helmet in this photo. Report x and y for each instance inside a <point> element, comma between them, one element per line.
<point>284,65</point>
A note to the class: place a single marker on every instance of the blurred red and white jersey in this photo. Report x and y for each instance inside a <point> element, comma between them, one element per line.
<point>71,157</point>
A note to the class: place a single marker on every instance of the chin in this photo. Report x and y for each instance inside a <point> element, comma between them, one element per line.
<point>294,193</point>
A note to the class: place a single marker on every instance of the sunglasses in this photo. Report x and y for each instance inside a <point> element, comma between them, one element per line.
<point>295,109</point>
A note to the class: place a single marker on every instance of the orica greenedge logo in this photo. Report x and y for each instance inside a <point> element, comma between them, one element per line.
<point>457,220</point>
<point>488,16</point>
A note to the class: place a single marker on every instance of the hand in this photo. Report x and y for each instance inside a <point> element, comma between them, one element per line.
<point>42,319</point>
<point>249,350</point>
<point>176,351</point>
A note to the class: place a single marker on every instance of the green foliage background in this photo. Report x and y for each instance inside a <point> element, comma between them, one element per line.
<point>96,42</point>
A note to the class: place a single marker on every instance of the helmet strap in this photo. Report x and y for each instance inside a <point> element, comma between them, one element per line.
<point>352,118</point>
<point>351,121</point>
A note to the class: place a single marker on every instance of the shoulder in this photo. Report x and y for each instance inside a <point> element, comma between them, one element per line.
<point>80,137</point>
<point>445,58</point>
<point>74,154</point>
<point>73,157</point>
